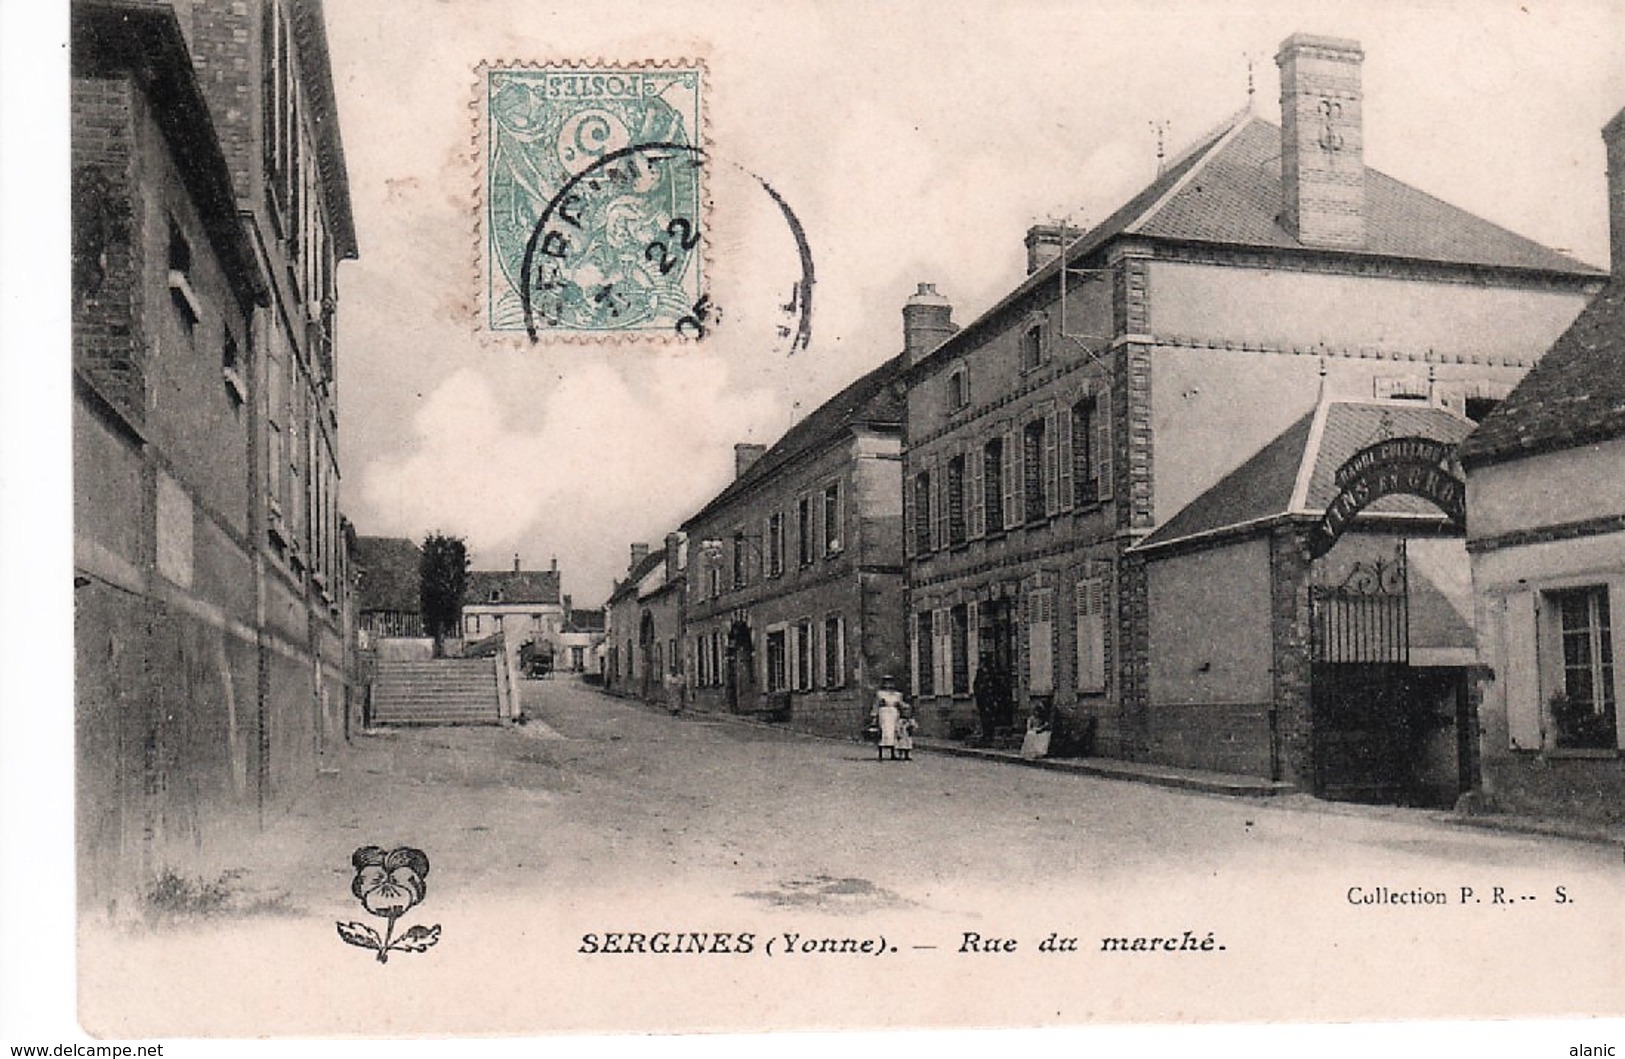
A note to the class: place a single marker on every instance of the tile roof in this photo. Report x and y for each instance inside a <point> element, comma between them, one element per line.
<point>1574,395</point>
<point>521,586</point>
<point>388,568</point>
<point>1294,473</point>
<point>1225,189</point>
<point>871,399</point>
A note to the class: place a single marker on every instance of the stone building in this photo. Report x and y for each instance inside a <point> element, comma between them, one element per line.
<point>525,604</point>
<point>796,586</point>
<point>389,603</point>
<point>1265,272</point>
<point>1546,533</point>
<point>210,210</point>
<point>644,625</point>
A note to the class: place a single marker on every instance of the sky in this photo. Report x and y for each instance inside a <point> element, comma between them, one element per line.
<point>915,144</point>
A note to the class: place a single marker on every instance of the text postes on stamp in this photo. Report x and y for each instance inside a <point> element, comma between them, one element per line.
<point>593,213</point>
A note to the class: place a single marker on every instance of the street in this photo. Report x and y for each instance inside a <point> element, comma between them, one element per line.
<point>994,891</point>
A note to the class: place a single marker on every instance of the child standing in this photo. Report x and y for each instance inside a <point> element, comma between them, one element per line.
<point>906,727</point>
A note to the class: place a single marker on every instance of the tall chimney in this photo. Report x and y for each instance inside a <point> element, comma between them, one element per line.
<point>745,455</point>
<point>640,552</point>
<point>673,555</point>
<point>554,564</point>
<point>1322,143</point>
<point>1043,246</point>
<point>1613,139</point>
<point>927,322</point>
<point>516,562</point>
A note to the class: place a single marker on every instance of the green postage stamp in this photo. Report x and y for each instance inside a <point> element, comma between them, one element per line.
<point>592,226</point>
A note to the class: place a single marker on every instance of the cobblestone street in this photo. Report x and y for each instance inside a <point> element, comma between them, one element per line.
<point>605,817</point>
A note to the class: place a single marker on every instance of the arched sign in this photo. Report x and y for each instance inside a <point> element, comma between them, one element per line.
<point>1416,466</point>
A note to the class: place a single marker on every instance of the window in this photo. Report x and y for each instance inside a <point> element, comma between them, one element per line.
<point>922,512</point>
<point>956,500</point>
<point>804,656</point>
<point>1583,709</point>
<point>675,659</point>
<point>775,544</point>
<point>993,485</point>
<point>958,389</point>
<point>777,679</point>
<point>496,595</point>
<point>1032,348</point>
<point>471,624</point>
<point>804,529</point>
<point>1033,444</point>
<point>960,649</point>
<point>713,576</point>
<point>1090,630</point>
<point>833,518</point>
<point>1083,466</point>
<point>741,569</point>
<point>834,652</point>
<point>924,668</point>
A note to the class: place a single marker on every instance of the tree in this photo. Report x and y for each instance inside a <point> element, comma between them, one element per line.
<point>442,578</point>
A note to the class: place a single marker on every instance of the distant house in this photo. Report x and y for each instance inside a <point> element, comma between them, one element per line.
<point>1546,536</point>
<point>580,639</point>
<point>525,604</point>
<point>387,583</point>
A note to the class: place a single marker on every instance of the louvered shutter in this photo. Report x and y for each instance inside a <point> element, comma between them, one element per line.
<point>1051,489</point>
<point>1091,635</point>
<point>1101,454</point>
<point>914,654</point>
<point>1063,420</point>
<point>943,655</point>
<point>1012,471</point>
<point>939,478</point>
<point>1522,677</point>
<point>975,512</point>
<point>973,642</point>
<point>908,514</point>
<point>1616,599</point>
<point>1040,646</point>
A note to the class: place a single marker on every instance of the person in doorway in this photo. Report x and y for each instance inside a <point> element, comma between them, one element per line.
<point>887,712</point>
<point>985,688</point>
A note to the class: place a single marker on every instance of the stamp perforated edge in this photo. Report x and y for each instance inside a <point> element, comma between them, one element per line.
<point>479,274</point>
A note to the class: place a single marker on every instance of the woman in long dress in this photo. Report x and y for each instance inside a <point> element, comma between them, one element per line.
<point>887,712</point>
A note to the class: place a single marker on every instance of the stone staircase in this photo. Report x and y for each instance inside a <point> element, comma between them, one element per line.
<point>441,691</point>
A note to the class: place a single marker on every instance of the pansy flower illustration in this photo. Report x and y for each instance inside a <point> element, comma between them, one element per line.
<point>389,884</point>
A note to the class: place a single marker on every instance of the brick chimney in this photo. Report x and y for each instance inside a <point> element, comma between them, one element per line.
<point>745,456</point>
<point>1322,143</point>
<point>640,552</point>
<point>1043,246</point>
<point>1613,139</point>
<point>927,321</point>
<point>516,562</point>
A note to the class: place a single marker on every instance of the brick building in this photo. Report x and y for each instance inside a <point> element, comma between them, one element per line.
<point>210,209</point>
<point>1266,271</point>
<point>795,585</point>
<point>1546,532</point>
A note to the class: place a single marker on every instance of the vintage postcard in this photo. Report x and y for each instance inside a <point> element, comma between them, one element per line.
<point>713,518</point>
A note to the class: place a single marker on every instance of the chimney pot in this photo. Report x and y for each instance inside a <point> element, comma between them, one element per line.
<point>1322,140</point>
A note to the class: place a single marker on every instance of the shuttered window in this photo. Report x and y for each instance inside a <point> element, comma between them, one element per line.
<point>1040,641</point>
<point>1089,607</point>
